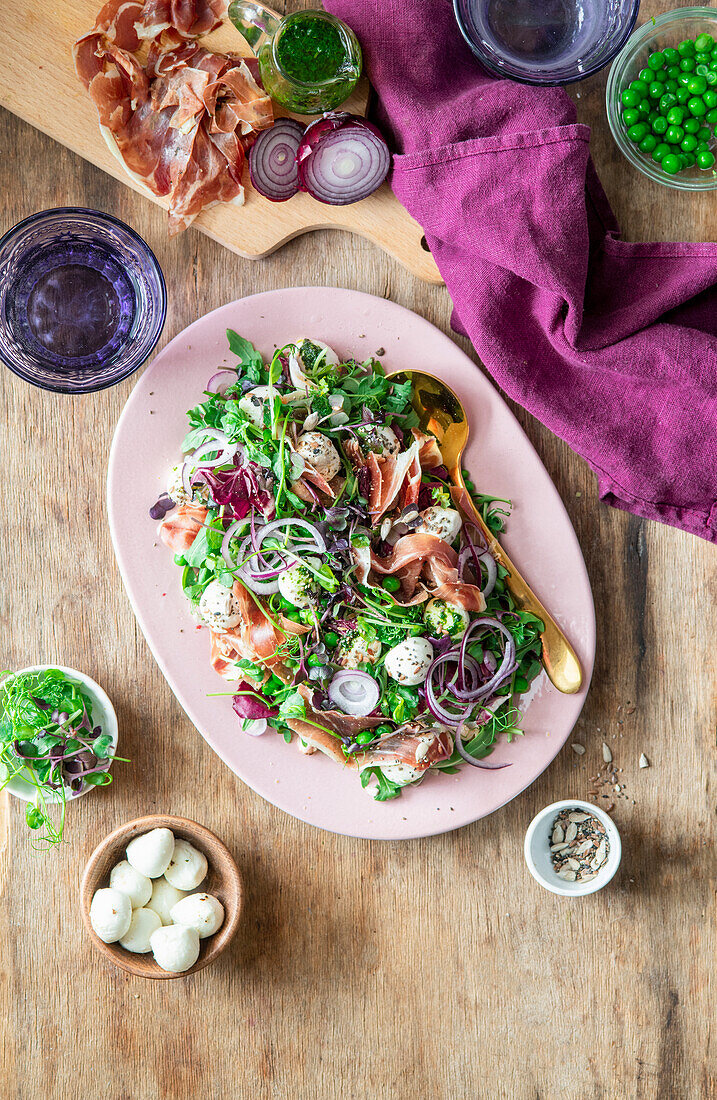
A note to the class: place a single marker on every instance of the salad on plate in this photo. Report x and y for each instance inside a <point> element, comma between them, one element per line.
<point>351,604</point>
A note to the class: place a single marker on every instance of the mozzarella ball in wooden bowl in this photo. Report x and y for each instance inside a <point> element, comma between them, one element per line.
<point>183,888</point>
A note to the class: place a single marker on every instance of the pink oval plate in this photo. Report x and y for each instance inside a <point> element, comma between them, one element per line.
<point>540,539</point>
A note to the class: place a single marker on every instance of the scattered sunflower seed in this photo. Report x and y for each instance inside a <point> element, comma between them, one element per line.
<point>606,753</point>
<point>579,749</point>
<point>578,845</point>
<point>644,762</point>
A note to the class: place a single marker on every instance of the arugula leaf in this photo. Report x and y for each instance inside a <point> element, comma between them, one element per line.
<point>249,358</point>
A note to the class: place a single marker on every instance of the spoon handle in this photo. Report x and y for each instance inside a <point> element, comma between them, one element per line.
<point>559,658</point>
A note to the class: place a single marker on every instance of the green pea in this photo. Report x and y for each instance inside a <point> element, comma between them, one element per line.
<point>701,147</point>
<point>703,134</point>
<point>635,133</point>
<point>656,60</point>
<point>688,159</point>
<point>645,75</point>
<point>688,143</point>
<point>703,68</point>
<point>697,85</point>
<point>711,116</point>
<point>630,98</point>
<point>691,125</point>
<point>684,79</point>
<point>673,135</point>
<point>671,55</point>
<point>285,604</point>
<point>391,584</point>
<point>314,661</point>
<point>655,90</point>
<point>710,98</point>
<point>365,736</point>
<point>179,559</point>
<point>644,107</point>
<point>705,160</point>
<point>659,126</point>
<point>383,731</point>
<point>711,78</point>
<point>701,60</point>
<point>667,101</point>
<point>696,106</point>
<point>661,151</point>
<point>294,615</point>
<point>671,163</point>
<point>640,87</point>
<point>675,115</point>
<point>673,72</point>
<point>687,64</point>
<point>660,75</point>
<point>648,143</point>
<point>682,95</point>
<point>331,639</point>
<point>671,86</point>
<point>704,43</point>
<point>686,48</point>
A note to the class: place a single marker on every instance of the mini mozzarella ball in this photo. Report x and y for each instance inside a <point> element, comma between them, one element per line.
<point>164,898</point>
<point>354,650</point>
<point>379,437</point>
<point>143,924</point>
<point>175,947</point>
<point>187,867</point>
<point>252,404</point>
<point>409,661</point>
<point>203,912</point>
<point>136,886</point>
<point>110,914</point>
<point>298,584</point>
<point>319,452</point>
<point>445,523</point>
<point>401,774</point>
<point>219,609</point>
<point>150,853</point>
<point>442,617</point>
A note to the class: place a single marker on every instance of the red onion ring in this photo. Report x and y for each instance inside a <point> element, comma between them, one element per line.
<point>215,383</point>
<point>463,752</point>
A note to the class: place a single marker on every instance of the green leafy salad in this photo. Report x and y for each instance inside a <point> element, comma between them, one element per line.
<point>350,603</point>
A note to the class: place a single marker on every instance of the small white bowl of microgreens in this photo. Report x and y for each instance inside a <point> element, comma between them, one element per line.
<point>58,738</point>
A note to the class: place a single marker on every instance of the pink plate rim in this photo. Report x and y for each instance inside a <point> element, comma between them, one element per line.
<point>540,538</point>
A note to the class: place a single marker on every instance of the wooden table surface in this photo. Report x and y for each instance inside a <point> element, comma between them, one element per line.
<point>428,969</point>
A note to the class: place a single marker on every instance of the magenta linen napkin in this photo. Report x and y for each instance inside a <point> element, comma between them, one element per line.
<point>612,345</point>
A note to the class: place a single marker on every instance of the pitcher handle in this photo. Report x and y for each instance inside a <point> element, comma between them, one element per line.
<point>255,22</point>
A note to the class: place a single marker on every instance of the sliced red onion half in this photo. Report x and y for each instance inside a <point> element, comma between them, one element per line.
<point>272,160</point>
<point>257,580</point>
<point>279,524</point>
<point>353,692</point>
<point>342,159</point>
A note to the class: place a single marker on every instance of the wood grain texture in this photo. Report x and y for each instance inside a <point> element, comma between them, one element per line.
<point>433,969</point>
<point>38,83</point>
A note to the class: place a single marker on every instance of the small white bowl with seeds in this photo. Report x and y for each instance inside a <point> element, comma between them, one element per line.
<point>572,848</point>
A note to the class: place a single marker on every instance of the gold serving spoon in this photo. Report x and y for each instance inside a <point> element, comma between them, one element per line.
<point>441,414</point>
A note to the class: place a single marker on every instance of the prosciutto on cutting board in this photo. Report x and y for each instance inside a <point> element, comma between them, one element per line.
<point>178,116</point>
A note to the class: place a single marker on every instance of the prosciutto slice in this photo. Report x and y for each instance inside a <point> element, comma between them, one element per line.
<point>180,528</point>
<point>344,725</point>
<point>426,567</point>
<point>181,120</point>
<point>429,452</point>
<point>388,473</point>
<point>418,750</point>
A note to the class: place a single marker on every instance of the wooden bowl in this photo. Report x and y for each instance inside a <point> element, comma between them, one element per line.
<point>223,881</point>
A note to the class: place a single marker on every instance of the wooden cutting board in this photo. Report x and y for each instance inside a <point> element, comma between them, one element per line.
<point>38,83</point>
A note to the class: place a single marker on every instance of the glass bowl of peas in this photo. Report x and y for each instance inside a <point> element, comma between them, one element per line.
<point>662,99</point>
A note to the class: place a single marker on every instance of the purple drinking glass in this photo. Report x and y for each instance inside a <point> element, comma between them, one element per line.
<point>546,41</point>
<point>82,300</point>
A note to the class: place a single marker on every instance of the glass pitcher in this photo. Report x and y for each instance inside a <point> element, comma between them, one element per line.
<point>309,61</point>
